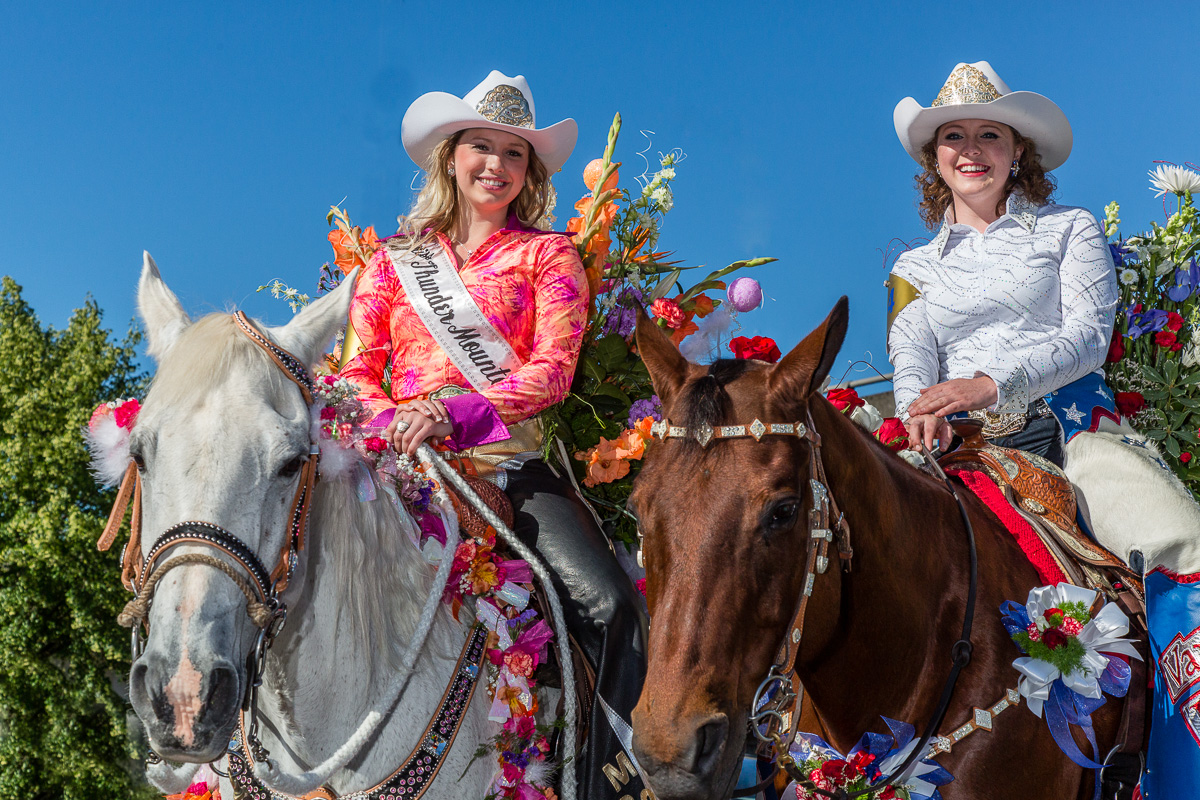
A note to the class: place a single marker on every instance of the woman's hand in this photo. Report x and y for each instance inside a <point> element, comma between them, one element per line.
<point>960,394</point>
<point>410,427</point>
<point>926,428</point>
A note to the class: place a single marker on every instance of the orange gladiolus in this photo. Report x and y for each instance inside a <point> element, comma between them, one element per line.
<point>349,249</point>
<point>643,427</point>
<point>591,174</point>
<point>703,307</point>
<point>630,444</point>
<point>604,464</point>
<point>683,331</point>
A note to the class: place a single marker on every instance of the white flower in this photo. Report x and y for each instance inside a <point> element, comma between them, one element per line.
<point>666,173</point>
<point>1128,277</point>
<point>663,198</point>
<point>1177,180</point>
<point>1190,356</point>
<point>867,416</point>
<point>1166,267</point>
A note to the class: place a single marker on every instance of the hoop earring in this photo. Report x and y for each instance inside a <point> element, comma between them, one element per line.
<point>450,170</point>
<point>1016,168</point>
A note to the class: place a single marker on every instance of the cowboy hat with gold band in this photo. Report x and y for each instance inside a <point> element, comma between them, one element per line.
<point>975,91</point>
<point>500,103</point>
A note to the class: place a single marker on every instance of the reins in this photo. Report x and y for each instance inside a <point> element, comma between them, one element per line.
<point>776,708</point>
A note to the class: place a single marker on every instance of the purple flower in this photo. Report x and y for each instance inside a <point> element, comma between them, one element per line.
<point>645,408</point>
<point>1150,321</point>
<point>1186,282</point>
<point>622,318</point>
<point>1118,255</point>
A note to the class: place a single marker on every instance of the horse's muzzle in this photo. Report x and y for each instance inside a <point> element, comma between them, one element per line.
<point>688,760</point>
<point>188,716</point>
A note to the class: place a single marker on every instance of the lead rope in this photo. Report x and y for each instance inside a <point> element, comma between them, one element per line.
<point>309,781</point>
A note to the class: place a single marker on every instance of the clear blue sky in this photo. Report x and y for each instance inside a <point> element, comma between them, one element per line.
<point>217,135</point>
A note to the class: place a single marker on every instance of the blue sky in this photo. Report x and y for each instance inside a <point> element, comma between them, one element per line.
<point>217,135</point>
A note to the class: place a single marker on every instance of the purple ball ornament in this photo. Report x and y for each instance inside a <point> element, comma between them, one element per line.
<point>745,294</point>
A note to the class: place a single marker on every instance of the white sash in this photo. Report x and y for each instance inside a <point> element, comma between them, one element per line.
<point>445,306</point>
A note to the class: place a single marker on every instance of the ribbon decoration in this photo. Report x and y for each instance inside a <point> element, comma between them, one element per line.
<point>874,756</point>
<point>1071,698</point>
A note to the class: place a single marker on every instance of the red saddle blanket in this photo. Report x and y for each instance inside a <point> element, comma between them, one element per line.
<point>1030,543</point>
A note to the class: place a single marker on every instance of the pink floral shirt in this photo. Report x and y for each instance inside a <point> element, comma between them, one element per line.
<point>531,287</point>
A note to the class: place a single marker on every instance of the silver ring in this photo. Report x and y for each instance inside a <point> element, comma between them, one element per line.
<point>402,426</point>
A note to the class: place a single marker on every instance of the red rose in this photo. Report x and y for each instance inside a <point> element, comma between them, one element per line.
<point>1174,321</point>
<point>893,434</point>
<point>669,312</point>
<point>845,400</point>
<point>126,414</point>
<point>375,444</point>
<point>1130,403</point>
<point>1054,638</point>
<point>837,770</point>
<point>762,348</point>
<point>1054,616</point>
<point>1185,457</point>
<point>1116,348</point>
<point>888,793</point>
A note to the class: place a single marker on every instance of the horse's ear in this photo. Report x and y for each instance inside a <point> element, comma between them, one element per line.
<point>664,362</point>
<point>160,309</point>
<point>802,371</point>
<point>307,335</point>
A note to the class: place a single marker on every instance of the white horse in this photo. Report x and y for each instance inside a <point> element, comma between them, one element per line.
<point>220,438</point>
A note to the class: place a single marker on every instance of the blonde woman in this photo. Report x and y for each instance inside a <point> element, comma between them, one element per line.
<point>475,315</point>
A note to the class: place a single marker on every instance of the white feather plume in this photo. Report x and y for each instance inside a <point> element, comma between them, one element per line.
<point>109,445</point>
<point>540,773</point>
<point>336,461</point>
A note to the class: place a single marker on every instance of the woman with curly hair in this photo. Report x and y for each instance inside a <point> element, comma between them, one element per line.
<point>1017,294</point>
<point>1011,323</point>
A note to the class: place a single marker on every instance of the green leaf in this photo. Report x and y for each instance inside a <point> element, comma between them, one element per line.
<point>1153,374</point>
<point>1191,378</point>
<point>1171,370</point>
<point>1157,434</point>
<point>611,351</point>
<point>593,370</point>
<point>664,286</point>
<point>1171,446</point>
<point>1155,395</point>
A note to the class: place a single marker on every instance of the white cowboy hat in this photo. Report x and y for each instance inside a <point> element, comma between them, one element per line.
<point>975,91</point>
<point>499,102</point>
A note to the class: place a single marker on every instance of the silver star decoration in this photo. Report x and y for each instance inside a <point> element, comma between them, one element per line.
<point>1100,391</point>
<point>1073,413</point>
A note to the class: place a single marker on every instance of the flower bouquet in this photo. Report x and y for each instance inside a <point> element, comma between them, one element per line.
<point>605,421</point>
<point>1155,349</point>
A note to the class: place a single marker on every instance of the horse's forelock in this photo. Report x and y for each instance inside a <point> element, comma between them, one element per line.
<point>207,353</point>
<point>705,400</point>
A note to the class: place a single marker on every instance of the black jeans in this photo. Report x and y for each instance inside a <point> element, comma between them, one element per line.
<point>1042,435</point>
<point>603,615</point>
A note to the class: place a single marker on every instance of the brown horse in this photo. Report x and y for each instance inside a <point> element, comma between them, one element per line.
<point>726,532</point>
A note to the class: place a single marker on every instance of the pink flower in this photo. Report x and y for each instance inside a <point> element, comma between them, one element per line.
<point>125,414</point>
<point>669,312</point>
<point>344,430</point>
<point>374,444</point>
<point>1071,627</point>
<point>640,583</point>
<point>330,380</point>
<point>328,412</point>
<point>519,663</point>
<point>1033,632</point>
<point>523,727</point>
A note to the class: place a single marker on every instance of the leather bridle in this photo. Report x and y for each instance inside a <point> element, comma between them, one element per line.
<point>260,585</point>
<point>775,710</point>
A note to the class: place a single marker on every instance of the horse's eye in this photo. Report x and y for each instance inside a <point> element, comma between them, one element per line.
<point>139,461</point>
<point>781,515</point>
<point>292,467</point>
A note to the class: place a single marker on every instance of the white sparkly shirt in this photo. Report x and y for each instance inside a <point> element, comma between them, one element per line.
<point>1028,302</point>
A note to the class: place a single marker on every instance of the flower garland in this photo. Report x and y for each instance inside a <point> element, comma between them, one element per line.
<point>499,588</point>
<point>1073,658</point>
<point>873,757</point>
<point>107,438</point>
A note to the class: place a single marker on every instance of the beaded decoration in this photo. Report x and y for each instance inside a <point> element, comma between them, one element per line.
<point>966,85</point>
<point>506,105</point>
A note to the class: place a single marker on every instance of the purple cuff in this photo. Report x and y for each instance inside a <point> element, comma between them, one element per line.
<point>475,421</point>
<point>382,419</point>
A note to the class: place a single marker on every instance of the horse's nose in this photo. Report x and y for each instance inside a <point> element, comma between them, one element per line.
<point>183,702</point>
<point>682,760</point>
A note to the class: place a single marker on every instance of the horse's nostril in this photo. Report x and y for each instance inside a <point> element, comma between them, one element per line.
<point>710,738</point>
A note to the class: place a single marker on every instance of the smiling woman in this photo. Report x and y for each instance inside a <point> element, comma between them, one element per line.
<point>464,327</point>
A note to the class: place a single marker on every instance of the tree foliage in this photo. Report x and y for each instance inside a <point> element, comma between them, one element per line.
<point>62,723</point>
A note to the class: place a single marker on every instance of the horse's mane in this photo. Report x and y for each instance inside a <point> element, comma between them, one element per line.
<point>382,579</point>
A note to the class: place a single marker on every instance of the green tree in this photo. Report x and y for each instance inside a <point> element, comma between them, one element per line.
<point>62,724</point>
